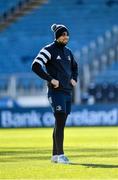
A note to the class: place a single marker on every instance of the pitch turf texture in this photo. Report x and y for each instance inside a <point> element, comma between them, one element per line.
<point>25,154</point>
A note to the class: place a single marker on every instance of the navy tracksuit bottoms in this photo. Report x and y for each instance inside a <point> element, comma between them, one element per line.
<point>61,106</point>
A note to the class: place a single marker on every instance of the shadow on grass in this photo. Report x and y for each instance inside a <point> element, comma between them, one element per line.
<point>96,165</point>
<point>24,159</point>
<point>86,149</point>
<point>21,154</point>
<point>93,152</point>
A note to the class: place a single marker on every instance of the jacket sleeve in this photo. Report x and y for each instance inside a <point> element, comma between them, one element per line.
<point>74,68</point>
<point>37,66</point>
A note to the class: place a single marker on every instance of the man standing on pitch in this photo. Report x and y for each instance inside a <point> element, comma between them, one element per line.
<point>61,75</point>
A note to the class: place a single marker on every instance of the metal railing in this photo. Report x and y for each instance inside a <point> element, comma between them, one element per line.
<point>97,56</point>
<point>21,85</point>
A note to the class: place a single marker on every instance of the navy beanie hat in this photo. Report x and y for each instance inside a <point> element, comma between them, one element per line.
<point>59,29</point>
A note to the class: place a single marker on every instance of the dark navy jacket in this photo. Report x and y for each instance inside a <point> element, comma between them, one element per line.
<point>59,63</point>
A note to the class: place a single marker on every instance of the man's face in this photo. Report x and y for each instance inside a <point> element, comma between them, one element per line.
<point>64,38</point>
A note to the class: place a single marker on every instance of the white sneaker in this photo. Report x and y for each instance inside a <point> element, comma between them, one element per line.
<point>62,159</point>
<point>54,158</point>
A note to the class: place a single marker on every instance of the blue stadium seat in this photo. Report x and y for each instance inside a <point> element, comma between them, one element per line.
<point>21,41</point>
<point>105,86</point>
<point>7,4</point>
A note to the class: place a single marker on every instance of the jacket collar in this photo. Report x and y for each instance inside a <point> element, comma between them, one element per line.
<point>59,45</point>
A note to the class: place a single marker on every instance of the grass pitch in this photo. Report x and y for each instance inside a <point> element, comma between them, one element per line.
<point>25,154</point>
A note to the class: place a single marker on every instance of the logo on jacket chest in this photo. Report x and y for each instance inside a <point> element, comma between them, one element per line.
<point>59,58</point>
<point>69,58</point>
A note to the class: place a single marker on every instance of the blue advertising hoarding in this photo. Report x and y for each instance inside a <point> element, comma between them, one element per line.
<point>83,115</point>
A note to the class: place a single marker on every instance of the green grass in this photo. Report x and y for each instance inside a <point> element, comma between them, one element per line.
<point>26,153</point>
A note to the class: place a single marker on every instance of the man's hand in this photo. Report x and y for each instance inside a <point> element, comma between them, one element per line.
<point>55,83</point>
<point>73,82</point>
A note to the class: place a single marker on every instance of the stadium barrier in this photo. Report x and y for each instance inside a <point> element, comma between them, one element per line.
<point>84,115</point>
